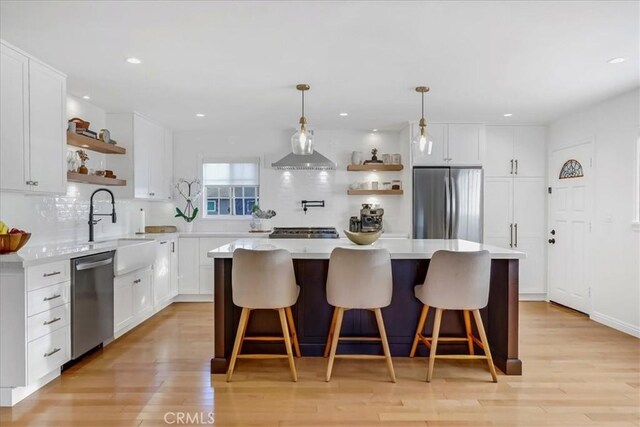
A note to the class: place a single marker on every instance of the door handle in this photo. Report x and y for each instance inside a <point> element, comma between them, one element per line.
<point>511,167</point>
<point>516,166</point>
<point>510,235</point>
<point>88,265</point>
<point>552,241</point>
<point>516,229</point>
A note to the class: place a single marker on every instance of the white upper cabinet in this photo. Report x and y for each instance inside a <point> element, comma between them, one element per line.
<point>14,128</point>
<point>33,130</point>
<point>47,123</point>
<point>499,151</point>
<point>529,151</point>
<point>145,164</point>
<point>518,151</point>
<point>466,144</point>
<point>453,144</point>
<point>168,164</point>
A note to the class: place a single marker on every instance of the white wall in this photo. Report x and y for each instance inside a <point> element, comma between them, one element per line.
<point>64,218</point>
<point>613,125</point>
<point>282,191</point>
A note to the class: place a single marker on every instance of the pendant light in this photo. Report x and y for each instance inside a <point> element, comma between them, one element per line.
<point>423,141</point>
<point>302,140</point>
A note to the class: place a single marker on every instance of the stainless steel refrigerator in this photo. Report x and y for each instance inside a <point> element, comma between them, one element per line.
<point>447,203</point>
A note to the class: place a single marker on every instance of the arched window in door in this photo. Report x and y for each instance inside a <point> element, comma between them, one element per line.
<point>571,169</point>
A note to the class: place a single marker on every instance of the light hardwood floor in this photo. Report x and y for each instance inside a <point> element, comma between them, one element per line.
<point>576,373</point>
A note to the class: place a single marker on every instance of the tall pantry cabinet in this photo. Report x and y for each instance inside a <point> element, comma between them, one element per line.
<point>515,199</point>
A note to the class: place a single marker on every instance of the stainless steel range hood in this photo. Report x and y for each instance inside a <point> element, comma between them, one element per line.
<point>315,161</point>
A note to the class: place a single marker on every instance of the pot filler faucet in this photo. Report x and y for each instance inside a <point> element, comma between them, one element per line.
<point>92,221</point>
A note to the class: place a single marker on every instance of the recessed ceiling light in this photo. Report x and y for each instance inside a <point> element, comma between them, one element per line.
<point>344,114</point>
<point>133,60</point>
<point>86,97</point>
<point>199,115</point>
<point>508,115</point>
<point>374,130</point>
<point>616,60</point>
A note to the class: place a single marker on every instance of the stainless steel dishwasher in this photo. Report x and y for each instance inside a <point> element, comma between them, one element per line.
<point>91,302</point>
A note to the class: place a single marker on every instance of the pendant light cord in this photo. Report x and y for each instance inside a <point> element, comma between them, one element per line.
<point>302,103</point>
<point>422,93</point>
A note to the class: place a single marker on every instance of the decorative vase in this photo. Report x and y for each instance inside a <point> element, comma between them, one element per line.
<point>356,158</point>
<point>188,227</point>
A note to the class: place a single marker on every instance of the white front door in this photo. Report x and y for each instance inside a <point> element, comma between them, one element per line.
<point>570,227</point>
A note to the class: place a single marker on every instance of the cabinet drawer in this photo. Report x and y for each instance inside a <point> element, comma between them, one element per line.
<point>48,353</point>
<point>43,275</point>
<point>47,298</point>
<point>48,321</point>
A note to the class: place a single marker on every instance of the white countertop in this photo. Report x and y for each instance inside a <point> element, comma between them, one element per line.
<point>40,254</point>
<point>399,248</point>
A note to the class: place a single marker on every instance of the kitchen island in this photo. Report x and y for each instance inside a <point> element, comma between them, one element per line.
<point>312,313</point>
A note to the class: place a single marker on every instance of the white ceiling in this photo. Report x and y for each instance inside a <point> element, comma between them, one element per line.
<point>238,62</point>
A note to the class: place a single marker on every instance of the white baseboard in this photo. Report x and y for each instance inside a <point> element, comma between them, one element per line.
<point>9,396</point>
<point>526,296</point>
<point>619,325</point>
<point>193,298</point>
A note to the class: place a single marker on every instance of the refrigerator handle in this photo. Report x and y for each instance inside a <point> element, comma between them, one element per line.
<point>447,206</point>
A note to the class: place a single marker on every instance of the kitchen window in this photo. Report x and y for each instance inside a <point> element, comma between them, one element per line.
<point>231,187</point>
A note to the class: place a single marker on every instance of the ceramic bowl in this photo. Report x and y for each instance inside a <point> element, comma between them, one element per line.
<point>363,238</point>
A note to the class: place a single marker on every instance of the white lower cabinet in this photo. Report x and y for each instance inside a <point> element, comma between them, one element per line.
<point>162,275</point>
<point>35,314</point>
<point>132,300</point>
<point>174,281</point>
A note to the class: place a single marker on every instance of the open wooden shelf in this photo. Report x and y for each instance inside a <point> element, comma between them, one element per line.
<point>377,167</point>
<point>375,192</point>
<point>93,144</point>
<point>95,179</point>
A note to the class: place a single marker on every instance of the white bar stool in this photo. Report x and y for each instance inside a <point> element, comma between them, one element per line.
<point>455,281</point>
<point>264,279</point>
<point>358,279</point>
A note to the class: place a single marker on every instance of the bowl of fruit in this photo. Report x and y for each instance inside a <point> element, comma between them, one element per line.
<point>11,240</point>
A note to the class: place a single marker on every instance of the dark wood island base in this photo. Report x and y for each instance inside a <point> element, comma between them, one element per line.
<point>313,314</point>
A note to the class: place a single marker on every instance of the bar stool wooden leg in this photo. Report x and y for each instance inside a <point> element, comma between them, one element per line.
<point>434,343</point>
<point>385,343</point>
<point>419,330</point>
<point>327,346</point>
<point>242,326</point>
<point>467,326</point>
<point>334,340</point>
<point>292,329</point>
<point>485,344</point>
<point>287,343</point>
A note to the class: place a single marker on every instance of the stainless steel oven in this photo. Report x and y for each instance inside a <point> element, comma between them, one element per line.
<point>91,302</point>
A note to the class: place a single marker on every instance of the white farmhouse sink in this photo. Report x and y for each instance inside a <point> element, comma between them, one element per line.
<point>134,254</point>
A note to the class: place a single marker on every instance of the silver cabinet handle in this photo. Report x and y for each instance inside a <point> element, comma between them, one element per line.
<point>511,235</point>
<point>52,352</point>
<point>137,281</point>
<point>511,167</point>
<point>163,243</point>
<point>152,194</point>
<point>53,297</point>
<point>173,247</point>
<point>55,273</point>
<point>516,166</point>
<point>516,241</point>
<point>54,320</point>
<point>35,183</point>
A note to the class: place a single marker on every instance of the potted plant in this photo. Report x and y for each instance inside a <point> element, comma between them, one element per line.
<point>261,219</point>
<point>190,191</point>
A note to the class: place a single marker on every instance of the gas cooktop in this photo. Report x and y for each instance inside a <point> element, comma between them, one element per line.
<point>304,233</point>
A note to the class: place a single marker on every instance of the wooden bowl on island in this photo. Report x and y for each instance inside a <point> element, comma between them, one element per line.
<point>13,242</point>
<point>363,238</point>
